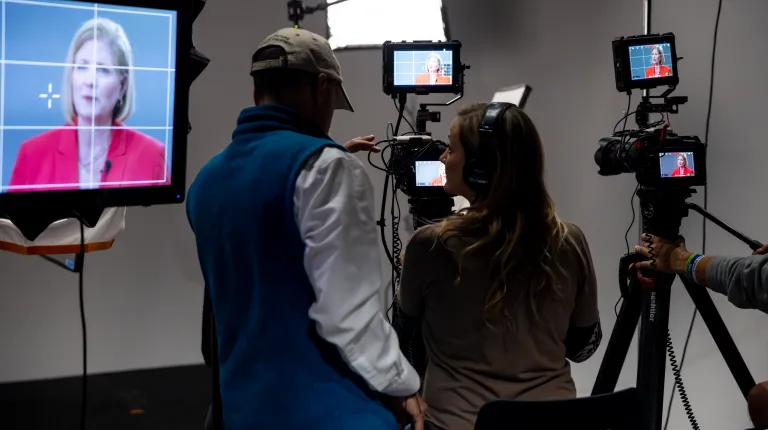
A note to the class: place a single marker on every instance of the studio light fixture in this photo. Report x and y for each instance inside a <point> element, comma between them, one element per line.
<point>369,23</point>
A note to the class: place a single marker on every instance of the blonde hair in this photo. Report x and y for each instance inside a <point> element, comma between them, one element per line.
<point>685,159</point>
<point>112,33</point>
<point>514,220</point>
<point>658,49</point>
<point>439,63</point>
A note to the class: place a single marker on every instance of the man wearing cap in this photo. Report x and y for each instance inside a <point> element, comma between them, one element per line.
<point>288,245</point>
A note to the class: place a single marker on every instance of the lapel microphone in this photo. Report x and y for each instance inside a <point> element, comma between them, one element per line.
<point>107,166</point>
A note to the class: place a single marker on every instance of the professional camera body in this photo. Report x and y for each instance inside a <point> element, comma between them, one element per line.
<point>659,158</point>
<point>417,168</point>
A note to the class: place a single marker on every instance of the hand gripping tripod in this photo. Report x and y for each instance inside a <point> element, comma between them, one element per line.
<point>662,212</point>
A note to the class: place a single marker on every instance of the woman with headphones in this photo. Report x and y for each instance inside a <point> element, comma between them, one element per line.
<point>504,291</point>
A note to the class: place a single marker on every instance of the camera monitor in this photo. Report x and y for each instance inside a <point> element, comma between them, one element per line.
<point>677,164</point>
<point>430,173</point>
<point>93,102</point>
<point>645,62</point>
<point>680,167</point>
<point>423,68</point>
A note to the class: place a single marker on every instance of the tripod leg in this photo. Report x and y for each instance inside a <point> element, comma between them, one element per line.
<point>721,336</point>
<point>651,355</point>
<point>618,345</point>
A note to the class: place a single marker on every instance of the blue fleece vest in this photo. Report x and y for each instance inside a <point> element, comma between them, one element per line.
<point>275,370</point>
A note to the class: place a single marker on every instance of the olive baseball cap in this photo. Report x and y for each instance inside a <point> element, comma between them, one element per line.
<point>305,51</point>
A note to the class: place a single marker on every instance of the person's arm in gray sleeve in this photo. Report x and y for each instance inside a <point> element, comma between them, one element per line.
<point>744,280</point>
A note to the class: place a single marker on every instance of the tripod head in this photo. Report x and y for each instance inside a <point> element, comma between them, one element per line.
<point>663,210</point>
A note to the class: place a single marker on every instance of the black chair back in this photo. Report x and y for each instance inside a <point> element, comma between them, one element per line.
<point>614,411</point>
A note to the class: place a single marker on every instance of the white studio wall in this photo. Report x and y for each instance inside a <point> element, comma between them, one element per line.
<point>144,296</point>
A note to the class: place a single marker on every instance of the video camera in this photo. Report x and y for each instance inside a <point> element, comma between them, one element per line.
<point>421,68</point>
<point>666,166</point>
<point>658,157</point>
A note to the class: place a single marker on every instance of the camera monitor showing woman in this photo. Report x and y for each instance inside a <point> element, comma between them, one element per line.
<point>650,62</point>
<point>423,68</point>
<point>100,113</point>
<point>677,164</point>
<point>430,174</point>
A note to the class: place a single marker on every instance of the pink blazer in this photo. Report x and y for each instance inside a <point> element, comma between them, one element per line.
<point>52,157</point>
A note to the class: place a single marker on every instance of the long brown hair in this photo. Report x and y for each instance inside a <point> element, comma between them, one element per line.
<point>514,219</point>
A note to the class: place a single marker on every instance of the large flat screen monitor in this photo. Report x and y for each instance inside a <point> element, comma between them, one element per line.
<point>93,102</point>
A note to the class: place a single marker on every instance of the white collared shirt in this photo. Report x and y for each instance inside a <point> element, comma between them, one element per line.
<point>334,209</point>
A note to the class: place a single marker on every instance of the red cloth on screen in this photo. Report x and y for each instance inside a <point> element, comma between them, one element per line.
<point>663,71</point>
<point>52,158</point>
<point>424,80</point>
<point>682,171</point>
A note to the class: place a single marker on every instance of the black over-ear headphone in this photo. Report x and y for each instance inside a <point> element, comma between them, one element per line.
<point>476,172</point>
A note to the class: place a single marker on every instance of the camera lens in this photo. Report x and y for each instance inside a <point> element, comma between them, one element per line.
<point>614,156</point>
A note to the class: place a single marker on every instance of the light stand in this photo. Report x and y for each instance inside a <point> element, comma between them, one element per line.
<point>297,11</point>
<point>646,27</point>
<point>662,211</point>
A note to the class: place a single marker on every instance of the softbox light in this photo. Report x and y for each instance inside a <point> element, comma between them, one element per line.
<point>370,23</point>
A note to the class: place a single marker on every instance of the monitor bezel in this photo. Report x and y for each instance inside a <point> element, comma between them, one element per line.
<point>623,64</point>
<point>138,196</point>
<point>457,71</point>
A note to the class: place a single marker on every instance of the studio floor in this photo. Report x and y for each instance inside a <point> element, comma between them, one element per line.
<point>175,398</point>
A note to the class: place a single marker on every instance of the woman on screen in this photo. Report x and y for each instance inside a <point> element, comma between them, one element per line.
<point>439,181</point>
<point>682,168</point>
<point>94,149</point>
<point>657,69</point>
<point>505,292</point>
<point>434,75</point>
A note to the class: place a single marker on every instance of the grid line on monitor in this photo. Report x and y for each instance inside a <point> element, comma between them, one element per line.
<point>32,187</point>
<point>51,64</point>
<point>68,127</point>
<point>72,6</point>
<point>168,96</point>
<point>2,88</point>
<point>93,99</point>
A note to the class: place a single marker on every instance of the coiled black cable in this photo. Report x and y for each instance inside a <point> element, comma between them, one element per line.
<point>679,383</point>
<point>397,243</point>
<point>651,253</point>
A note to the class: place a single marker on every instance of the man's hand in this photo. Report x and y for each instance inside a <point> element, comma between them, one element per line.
<point>665,256</point>
<point>762,251</point>
<point>363,143</point>
<point>410,410</point>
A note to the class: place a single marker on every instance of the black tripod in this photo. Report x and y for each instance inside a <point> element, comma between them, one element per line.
<point>663,211</point>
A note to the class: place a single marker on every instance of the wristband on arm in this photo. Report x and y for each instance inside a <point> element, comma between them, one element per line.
<point>690,266</point>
